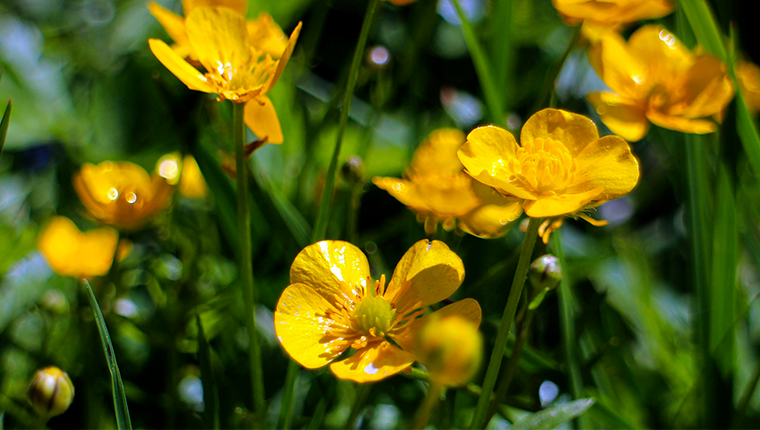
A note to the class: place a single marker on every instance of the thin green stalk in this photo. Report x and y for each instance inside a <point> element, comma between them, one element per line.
<point>551,75</point>
<point>423,413</point>
<point>246,262</point>
<point>360,399</point>
<point>567,325</point>
<point>506,323</point>
<point>749,390</point>
<point>320,227</point>
<point>494,97</point>
<point>285,419</point>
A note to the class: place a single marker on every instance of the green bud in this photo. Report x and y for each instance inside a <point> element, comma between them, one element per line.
<point>545,272</point>
<point>51,391</point>
<point>353,169</point>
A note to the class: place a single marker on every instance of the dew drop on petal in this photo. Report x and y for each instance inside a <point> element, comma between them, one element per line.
<point>113,194</point>
<point>131,197</point>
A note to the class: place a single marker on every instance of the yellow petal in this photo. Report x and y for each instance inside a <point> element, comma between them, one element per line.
<point>465,308</point>
<point>623,117</point>
<point>261,118</point>
<point>433,271</point>
<point>678,123</point>
<point>172,23</point>
<point>219,38</point>
<point>665,57</point>
<point>625,73</point>
<point>303,328</point>
<point>323,265</point>
<point>404,191</point>
<point>572,130</point>
<point>373,363</point>
<point>609,164</point>
<point>239,6</point>
<point>266,36</point>
<point>490,221</point>
<point>560,205</point>
<point>191,183</point>
<point>186,73</point>
<point>69,252</point>
<point>708,88</point>
<point>283,61</point>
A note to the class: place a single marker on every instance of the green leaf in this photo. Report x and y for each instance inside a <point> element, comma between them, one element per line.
<point>117,386</point>
<point>705,28</point>
<point>210,394</point>
<point>552,417</point>
<point>4,126</point>
<point>536,302</point>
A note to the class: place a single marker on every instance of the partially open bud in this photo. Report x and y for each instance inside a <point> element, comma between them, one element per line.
<point>51,391</point>
<point>545,272</point>
<point>451,349</point>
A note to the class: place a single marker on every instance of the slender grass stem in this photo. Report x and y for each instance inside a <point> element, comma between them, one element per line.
<point>548,91</point>
<point>360,399</point>
<point>506,323</point>
<point>426,409</point>
<point>285,418</point>
<point>246,262</point>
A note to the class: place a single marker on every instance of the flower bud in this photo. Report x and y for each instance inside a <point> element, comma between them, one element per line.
<point>353,169</point>
<point>51,391</point>
<point>545,272</point>
<point>451,349</point>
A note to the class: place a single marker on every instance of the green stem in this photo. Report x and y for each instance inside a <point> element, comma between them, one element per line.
<point>320,227</point>
<point>551,75</point>
<point>286,409</point>
<point>506,323</point>
<point>423,413</point>
<point>246,262</point>
<point>360,399</point>
<point>567,325</point>
<point>749,390</point>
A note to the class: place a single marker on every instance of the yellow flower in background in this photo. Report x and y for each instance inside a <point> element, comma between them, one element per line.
<point>70,252</point>
<point>561,167</point>
<point>451,348</point>
<point>333,305</point>
<point>264,34</point>
<point>611,13</point>
<point>121,194</point>
<point>654,78</point>
<point>748,77</point>
<point>184,173</point>
<point>235,69</point>
<point>437,188</point>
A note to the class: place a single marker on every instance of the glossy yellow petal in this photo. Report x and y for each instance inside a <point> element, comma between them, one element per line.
<point>324,265</point>
<point>186,73</point>
<point>612,12</point>
<point>261,118</point>
<point>572,130</point>
<point>404,191</point>
<point>266,36</point>
<point>620,115</point>
<point>608,164</point>
<point>468,309</point>
<point>491,220</point>
<point>708,89</point>
<point>664,55</point>
<point>686,125</point>
<point>373,363</point>
<point>625,73</point>
<point>73,253</point>
<point>219,37</point>
<point>283,61</point>
<point>239,6</point>
<point>303,327</point>
<point>427,273</point>
<point>560,205</point>
<point>172,23</point>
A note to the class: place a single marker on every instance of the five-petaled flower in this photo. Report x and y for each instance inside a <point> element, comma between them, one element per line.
<point>333,305</point>
<point>654,78</point>
<point>236,69</point>
<point>71,252</point>
<point>611,13</point>
<point>437,189</point>
<point>562,168</point>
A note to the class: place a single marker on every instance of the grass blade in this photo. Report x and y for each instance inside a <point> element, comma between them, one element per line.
<point>4,126</point>
<point>552,417</point>
<point>117,386</point>
<point>210,394</point>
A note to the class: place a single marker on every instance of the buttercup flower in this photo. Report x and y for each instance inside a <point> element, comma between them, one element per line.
<point>437,189</point>
<point>612,13</point>
<point>235,69</point>
<point>451,348</point>
<point>332,305</point>
<point>70,252</point>
<point>121,194</point>
<point>184,173</point>
<point>656,79</point>
<point>562,168</point>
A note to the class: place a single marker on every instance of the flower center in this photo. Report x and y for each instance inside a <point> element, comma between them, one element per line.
<point>543,166</point>
<point>374,316</point>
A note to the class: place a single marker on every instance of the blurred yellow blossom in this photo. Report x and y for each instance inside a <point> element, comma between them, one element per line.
<point>185,173</point>
<point>70,252</point>
<point>437,189</point>
<point>611,13</point>
<point>654,78</point>
<point>121,194</point>
<point>332,304</point>
<point>562,168</point>
<point>235,68</point>
<point>451,348</point>
<point>748,77</point>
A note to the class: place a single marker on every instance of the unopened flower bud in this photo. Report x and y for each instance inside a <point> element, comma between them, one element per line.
<point>51,391</point>
<point>451,349</point>
<point>545,272</point>
<point>353,169</point>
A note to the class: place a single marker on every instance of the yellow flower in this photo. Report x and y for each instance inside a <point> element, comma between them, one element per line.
<point>451,348</point>
<point>121,194</point>
<point>748,77</point>
<point>562,167</point>
<point>656,79</point>
<point>184,173</point>
<point>235,68</point>
<point>69,252</point>
<point>332,304</point>
<point>436,188</point>
<point>611,13</point>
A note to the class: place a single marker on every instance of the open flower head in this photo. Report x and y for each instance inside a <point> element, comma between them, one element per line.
<point>70,252</point>
<point>333,305</point>
<point>437,188</point>
<point>611,13</point>
<point>654,78</point>
<point>451,348</point>
<point>561,167</point>
<point>184,173</point>
<point>121,194</point>
<point>234,68</point>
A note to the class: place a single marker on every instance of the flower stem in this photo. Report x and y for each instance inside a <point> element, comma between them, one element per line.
<point>360,399</point>
<point>246,261</point>
<point>506,323</point>
<point>320,227</point>
<point>423,413</point>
